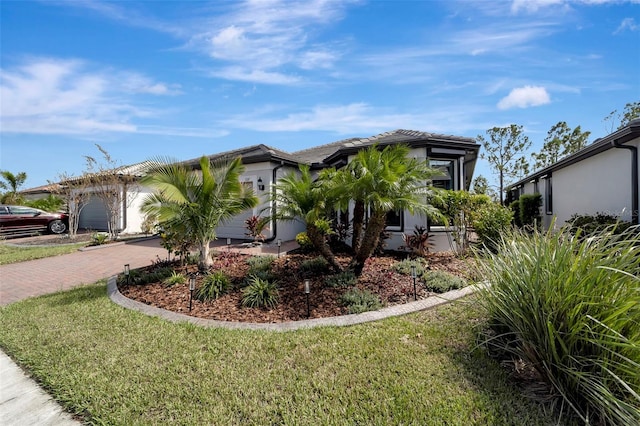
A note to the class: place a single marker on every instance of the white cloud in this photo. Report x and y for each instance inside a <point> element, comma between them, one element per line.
<point>524,97</point>
<point>532,6</point>
<point>53,96</point>
<point>627,24</point>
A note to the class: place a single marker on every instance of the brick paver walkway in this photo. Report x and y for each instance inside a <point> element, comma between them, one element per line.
<point>37,277</point>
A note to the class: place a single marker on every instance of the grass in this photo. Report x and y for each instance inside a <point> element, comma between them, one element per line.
<point>10,254</point>
<point>119,367</point>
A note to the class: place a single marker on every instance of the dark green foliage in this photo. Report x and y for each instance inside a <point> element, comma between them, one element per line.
<point>174,278</point>
<point>441,282</point>
<point>213,286</point>
<point>341,279</point>
<point>530,210</point>
<point>99,238</point>
<point>404,266</point>
<point>358,301</point>
<point>589,225</point>
<point>137,277</point>
<point>263,275</point>
<point>515,208</point>
<point>316,265</point>
<point>490,223</point>
<point>260,294</point>
<point>260,263</point>
<point>52,203</point>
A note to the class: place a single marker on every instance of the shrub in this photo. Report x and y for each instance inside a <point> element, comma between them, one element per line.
<point>441,282</point>
<point>358,301</point>
<point>304,242</point>
<point>260,293</point>
<point>419,243</point>
<point>404,266</point>
<point>263,275</point>
<point>590,225</point>
<point>174,278</point>
<point>255,225</point>
<point>530,210</point>
<point>213,286</point>
<point>316,265</point>
<point>490,223</point>
<point>99,238</point>
<point>342,279</point>
<point>260,263</point>
<point>570,309</point>
<point>514,206</point>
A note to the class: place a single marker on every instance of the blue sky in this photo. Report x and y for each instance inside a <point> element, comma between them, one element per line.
<point>182,79</point>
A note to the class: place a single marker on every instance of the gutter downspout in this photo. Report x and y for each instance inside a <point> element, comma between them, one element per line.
<point>634,178</point>
<point>274,234</point>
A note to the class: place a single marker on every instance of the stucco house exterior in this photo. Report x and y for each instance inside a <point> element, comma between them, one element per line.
<point>454,156</point>
<point>600,178</point>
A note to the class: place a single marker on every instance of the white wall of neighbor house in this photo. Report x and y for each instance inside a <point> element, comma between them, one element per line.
<point>131,223</point>
<point>599,184</point>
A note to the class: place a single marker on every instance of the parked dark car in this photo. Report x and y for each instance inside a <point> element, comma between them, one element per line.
<point>27,220</point>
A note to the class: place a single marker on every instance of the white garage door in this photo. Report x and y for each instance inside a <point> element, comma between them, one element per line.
<point>94,216</point>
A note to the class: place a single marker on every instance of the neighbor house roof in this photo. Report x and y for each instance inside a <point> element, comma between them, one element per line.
<point>43,189</point>
<point>252,154</point>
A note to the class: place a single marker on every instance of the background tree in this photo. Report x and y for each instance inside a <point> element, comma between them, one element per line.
<point>11,183</point>
<point>630,112</point>
<point>561,141</point>
<point>107,181</point>
<point>481,186</point>
<point>505,151</point>
<point>200,200</point>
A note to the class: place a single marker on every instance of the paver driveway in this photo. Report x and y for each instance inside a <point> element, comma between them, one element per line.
<point>37,277</point>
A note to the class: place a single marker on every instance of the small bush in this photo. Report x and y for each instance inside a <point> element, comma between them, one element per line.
<point>260,263</point>
<point>316,265</point>
<point>441,282</point>
<point>530,210</point>
<point>342,279</point>
<point>260,293</point>
<point>99,238</point>
<point>490,223</point>
<point>420,242</point>
<point>404,267</point>
<point>358,301</point>
<point>213,286</point>
<point>263,275</point>
<point>589,225</point>
<point>514,206</point>
<point>174,278</point>
<point>569,308</point>
<point>304,242</point>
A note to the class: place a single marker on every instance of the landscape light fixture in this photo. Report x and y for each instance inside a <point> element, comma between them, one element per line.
<point>307,290</point>
<point>260,184</point>
<point>127,272</point>
<point>279,244</point>
<point>228,244</point>
<point>192,287</point>
<point>413,275</point>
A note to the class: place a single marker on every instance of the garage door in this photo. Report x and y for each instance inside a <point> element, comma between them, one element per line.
<point>94,216</point>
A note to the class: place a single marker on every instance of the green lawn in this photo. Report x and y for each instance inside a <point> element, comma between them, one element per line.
<point>116,366</point>
<point>11,254</point>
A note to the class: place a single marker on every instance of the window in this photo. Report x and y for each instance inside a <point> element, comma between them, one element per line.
<point>548,196</point>
<point>395,219</point>
<point>445,173</point>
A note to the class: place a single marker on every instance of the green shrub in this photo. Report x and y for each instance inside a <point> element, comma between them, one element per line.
<point>174,278</point>
<point>260,293</point>
<point>213,286</point>
<point>530,210</point>
<point>260,263</point>
<point>358,301</point>
<point>589,225</point>
<point>514,206</point>
<point>304,242</point>
<point>490,223</point>
<point>441,282</point>
<point>570,309</point>
<point>263,275</point>
<point>99,238</point>
<point>342,279</point>
<point>315,266</point>
<point>404,266</point>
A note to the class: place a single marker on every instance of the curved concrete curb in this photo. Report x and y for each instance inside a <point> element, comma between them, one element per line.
<point>391,311</point>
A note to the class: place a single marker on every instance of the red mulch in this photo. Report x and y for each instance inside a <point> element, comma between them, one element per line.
<point>378,277</point>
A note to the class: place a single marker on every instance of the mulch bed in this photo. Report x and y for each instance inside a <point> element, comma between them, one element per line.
<point>378,277</point>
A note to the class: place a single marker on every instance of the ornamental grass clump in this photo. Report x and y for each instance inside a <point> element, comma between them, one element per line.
<point>260,294</point>
<point>213,286</point>
<point>569,308</point>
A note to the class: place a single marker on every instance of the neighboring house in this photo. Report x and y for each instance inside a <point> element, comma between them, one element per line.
<point>454,156</point>
<point>600,178</point>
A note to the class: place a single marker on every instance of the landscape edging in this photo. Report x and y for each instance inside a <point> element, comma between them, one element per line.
<point>339,321</point>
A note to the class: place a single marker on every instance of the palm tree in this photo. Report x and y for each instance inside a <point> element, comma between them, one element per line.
<point>200,200</point>
<point>382,181</point>
<point>11,182</point>
<point>300,197</point>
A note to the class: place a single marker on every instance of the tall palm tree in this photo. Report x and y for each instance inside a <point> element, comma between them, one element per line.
<point>300,197</point>
<point>382,181</point>
<point>11,182</point>
<point>201,199</point>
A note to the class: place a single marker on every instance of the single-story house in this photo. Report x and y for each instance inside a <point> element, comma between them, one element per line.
<point>600,178</point>
<point>454,156</point>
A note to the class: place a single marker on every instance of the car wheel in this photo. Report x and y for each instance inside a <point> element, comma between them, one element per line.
<point>57,227</point>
